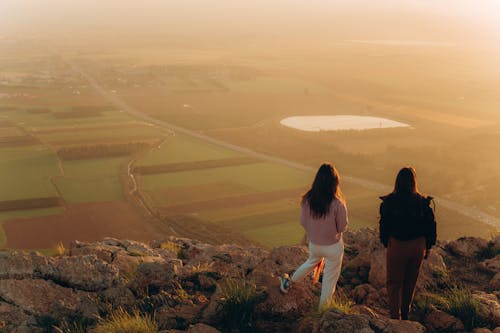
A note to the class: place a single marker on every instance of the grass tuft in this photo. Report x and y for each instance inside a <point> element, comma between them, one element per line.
<point>121,321</point>
<point>339,302</point>
<point>171,247</point>
<point>238,304</point>
<point>460,303</point>
<point>60,249</point>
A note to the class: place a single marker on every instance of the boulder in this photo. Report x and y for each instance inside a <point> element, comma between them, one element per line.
<point>362,240</point>
<point>467,246</point>
<point>396,326</point>
<point>285,259</point>
<point>495,282</point>
<point>118,297</point>
<point>12,316</point>
<point>45,298</point>
<point>154,276</point>
<point>440,321</point>
<point>85,272</point>
<point>284,309</point>
<point>492,265</point>
<point>228,260</point>
<point>333,321</point>
<point>368,295</point>
<point>378,271</point>
<point>20,265</point>
<point>489,308</point>
<point>102,251</point>
<point>336,321</point>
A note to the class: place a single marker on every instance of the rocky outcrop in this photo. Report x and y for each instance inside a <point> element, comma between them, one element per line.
<point>190,286</point>
<point>334,321</point>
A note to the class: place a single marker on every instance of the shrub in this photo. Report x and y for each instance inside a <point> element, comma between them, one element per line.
<point>460,303</point>
<point>121,321</point>
<point>238,304</point>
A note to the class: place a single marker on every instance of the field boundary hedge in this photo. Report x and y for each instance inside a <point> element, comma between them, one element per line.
<point>31,203</point>
<point>196,165</point>
<point>101,150</point>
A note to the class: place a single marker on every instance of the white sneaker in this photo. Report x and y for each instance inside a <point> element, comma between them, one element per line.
<point>285,283</point>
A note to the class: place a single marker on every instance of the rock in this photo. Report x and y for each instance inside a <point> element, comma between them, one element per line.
<point>396,326</point>
<point>430,266</point>
<point>364,310</point>
<point>440,321</point>
<point>12,316</point>
<point>493,264</point>
<point>202,328</point>
<point>378,271</point>
<point>85,272</point>
<point>495,242</point>
<point>467,246</point>
<point>284,309</point>
<point>363,240</point>
<point>495,282</point>
<point>102,251</point>
<point>118,297</point>
<point>366,294</point>
<point>333,321</point>
<point>18,265</point>
<point>285,259</point>
<point>181,315</point>
<point>153,276</point>
<point>229,260</point>
<point>489,308</point>
<point>41,297</point>
<point>481,330</point>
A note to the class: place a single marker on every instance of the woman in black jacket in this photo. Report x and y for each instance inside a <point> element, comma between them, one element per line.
<point>408,231</point>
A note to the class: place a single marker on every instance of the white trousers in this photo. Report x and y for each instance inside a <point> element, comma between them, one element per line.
<point>333,255</point>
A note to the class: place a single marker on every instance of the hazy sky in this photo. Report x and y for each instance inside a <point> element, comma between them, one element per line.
<point>199,17</point>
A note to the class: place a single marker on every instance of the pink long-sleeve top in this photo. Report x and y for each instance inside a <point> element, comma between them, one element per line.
<point>328,229</point>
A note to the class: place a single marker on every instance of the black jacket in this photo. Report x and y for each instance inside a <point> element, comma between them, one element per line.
<point>407,217</point>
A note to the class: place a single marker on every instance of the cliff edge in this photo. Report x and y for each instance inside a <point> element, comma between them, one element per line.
<point>183,285</point>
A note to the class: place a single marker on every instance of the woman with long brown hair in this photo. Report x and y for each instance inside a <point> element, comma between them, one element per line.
<point>408,231</point>
<point>324,218</point>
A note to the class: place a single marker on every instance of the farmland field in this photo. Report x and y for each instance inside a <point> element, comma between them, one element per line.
<point>91,180</point>
<point>221,167</point>
<point>33,166</point>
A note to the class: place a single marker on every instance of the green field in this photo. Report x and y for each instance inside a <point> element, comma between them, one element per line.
<point>91,180</point>
<point>185,149</point>
<point>258,177</point>
<point>27,172</point>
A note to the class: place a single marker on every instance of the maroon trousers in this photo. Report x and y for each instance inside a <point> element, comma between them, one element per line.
<point>403,265</point>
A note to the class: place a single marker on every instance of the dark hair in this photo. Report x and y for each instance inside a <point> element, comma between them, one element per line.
<point>324,189</point>
<point>406,182</point>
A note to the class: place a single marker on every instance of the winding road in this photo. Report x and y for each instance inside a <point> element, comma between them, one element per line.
<point>470,212</point>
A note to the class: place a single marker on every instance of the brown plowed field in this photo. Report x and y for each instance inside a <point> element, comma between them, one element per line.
<point>84,222</point>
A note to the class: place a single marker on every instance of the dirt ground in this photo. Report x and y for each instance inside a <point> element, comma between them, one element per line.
<point>84,222</point>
